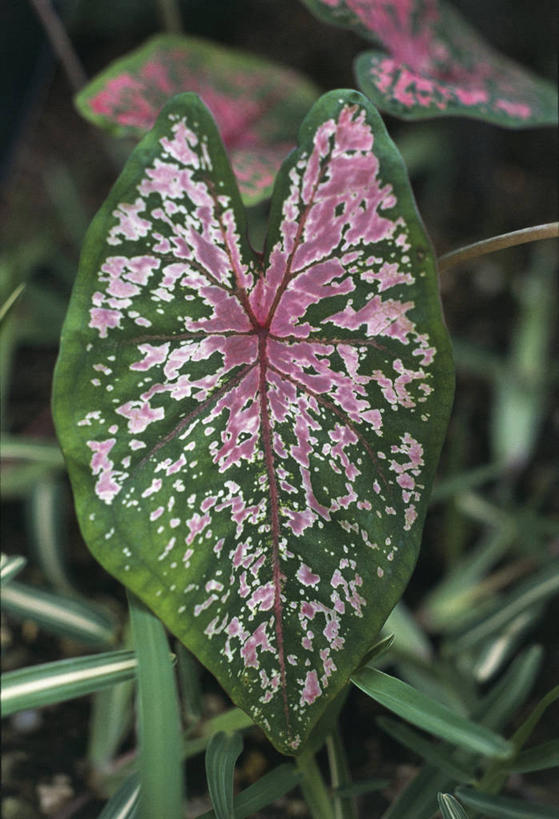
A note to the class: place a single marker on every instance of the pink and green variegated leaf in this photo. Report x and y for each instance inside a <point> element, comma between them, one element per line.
<point>434,64</point>
<point>251,438</point>
<point>258,105</point>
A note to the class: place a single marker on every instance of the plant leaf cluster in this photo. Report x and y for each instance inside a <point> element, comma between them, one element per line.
<point>283,415</point>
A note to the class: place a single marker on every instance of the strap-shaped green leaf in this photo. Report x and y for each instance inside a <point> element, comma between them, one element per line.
<point>47,513</point>
<point>512,689</point>
<point>450,807</point>
<point>60,614</point>
<point>409,638</point>
<point>538,758</point>
<point>434,64</point>
<point>221,756</point>
<point>252,439</point>
<point>124,802</point>
<point>430,715</point>
<point>160,758</point>
<point>270,787</point>
<point>29,449</point>
<point>537,588</point>
<point>418,799</point>
<point>10,566</point>
<point>523,732</point>
<point>229,721</point>
<point>50,683</point>
<point>497,773</point>
<point>504,807</point>
<point>110,720</point>
<point>436,755</point>
<point>258,105</point>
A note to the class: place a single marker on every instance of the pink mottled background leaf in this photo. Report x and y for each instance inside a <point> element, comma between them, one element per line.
<point>434,64</point>
<point>251,438</point>
<point>258,105</point>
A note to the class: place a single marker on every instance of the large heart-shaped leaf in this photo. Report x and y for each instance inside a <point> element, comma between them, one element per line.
<point>258,105</point>
<point>251,438</point>
<point>434,64</point>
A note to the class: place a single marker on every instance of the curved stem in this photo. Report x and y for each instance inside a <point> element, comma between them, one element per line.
<point>340,776</point>
<point>11,300</point>
<point>314,790</point>
<point>61,43</point>
<point>517,237</point>
<point>170,15</point>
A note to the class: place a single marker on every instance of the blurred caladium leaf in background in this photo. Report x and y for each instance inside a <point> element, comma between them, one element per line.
<point>252,438</point>
<point>258,105</point>
<point>433,63</point>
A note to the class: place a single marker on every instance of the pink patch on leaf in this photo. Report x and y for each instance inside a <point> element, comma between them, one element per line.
<point>311,690</point>
<point>106,487</point>
<point>140,415</point>
<point>257,640</point>
<point>102,319</point>
<point>306,577</point>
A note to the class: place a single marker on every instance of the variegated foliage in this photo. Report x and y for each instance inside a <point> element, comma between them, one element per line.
<point>258,105</point>
<point>434,64</point>
<point>251,438</point>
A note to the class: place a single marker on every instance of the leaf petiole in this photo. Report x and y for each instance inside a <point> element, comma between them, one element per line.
<point>516,237</point>
<point>314,790</point>
<point>170,16</point>
<point>340,775</point>
<point>61,43</point>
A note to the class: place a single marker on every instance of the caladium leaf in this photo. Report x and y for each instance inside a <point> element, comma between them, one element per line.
<point>433,63</point>
<point>251,438</point>
<point>258,105</point>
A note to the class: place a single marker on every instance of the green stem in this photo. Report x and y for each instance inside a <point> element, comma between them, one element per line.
<point>11,300</point>
<point>170,16</point>
<point>517,237</point>
<point>340,776</point>
<point>314,790</point>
